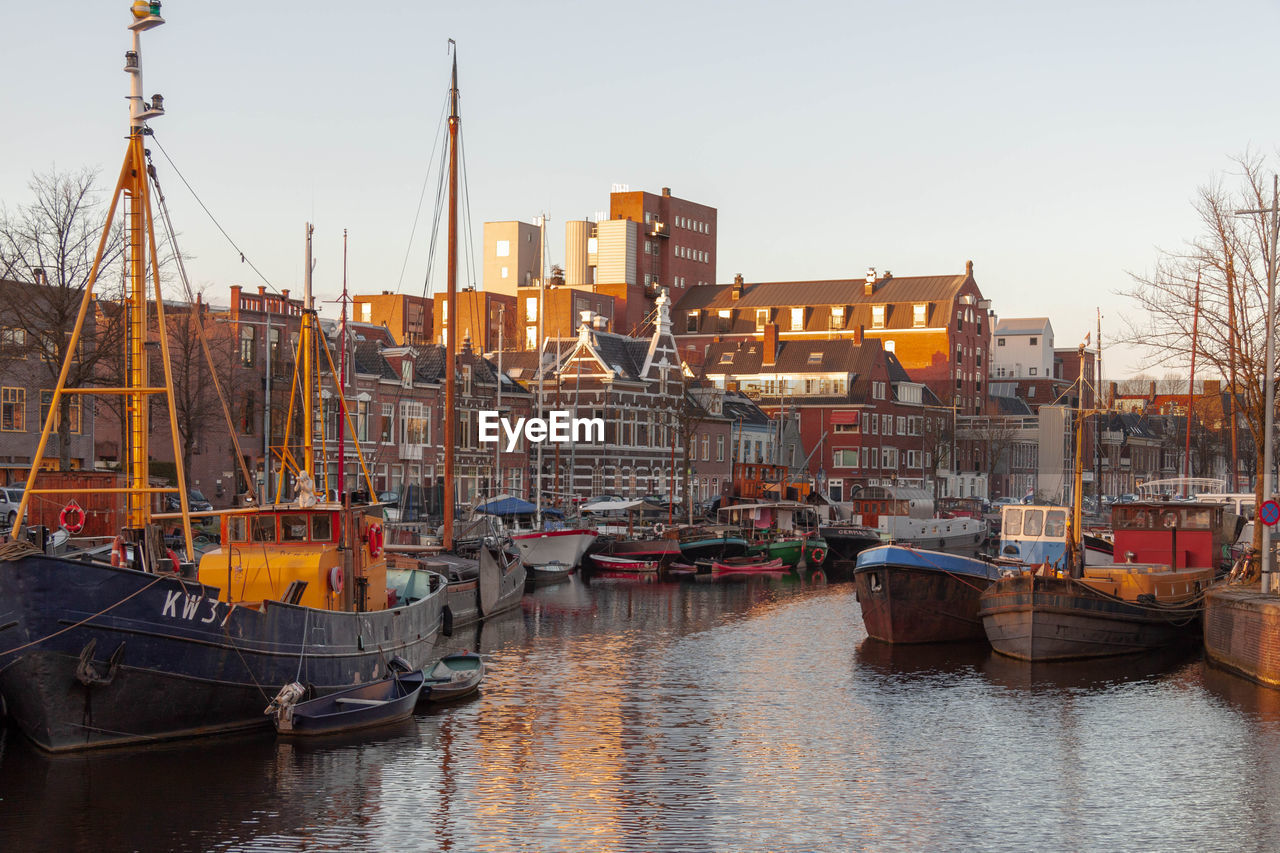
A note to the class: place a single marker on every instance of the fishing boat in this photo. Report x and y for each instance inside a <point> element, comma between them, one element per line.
<point>847,540</point>
<point>910,595</point>
<point>96,653</point>
<point>1153,598</point>
<point>785,530</point>
<point>455,677</point>
<point>379,703</point>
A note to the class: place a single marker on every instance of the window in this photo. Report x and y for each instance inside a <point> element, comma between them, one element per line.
<point>886,425</point>
<point>844,458</point>
<point>246,346</point>
<point>505,271</point>
<point>46,397</point>
<point>415,424</point>
<point>724,317</point>
<point>531,309</point>
<point>531,337</point>
<point>388,423</point>
<point>12,337</point>
<point>873,460</point>
<point>322,527</point>
<point>877,316</point>
<point>293,527</point>
<point>815,357</point>
<point>503,249</point>
<point>762,317</point>
<point>918,312</point>
<point>362,420</point>
<point>1033,341</point>
<point>797,319</point>
<point>1031,393</point>
<point>1033,371</point>
<point>902,425</point>
<point>889,458</point>
<point>13,409</point>
<point>691,323</point>
<point>999,342</point>
<point>366,312</point>
<point>706,448</point>
<point>262,528</point>
<point>725,358</point>
<point>719,448</point>
<point>837,316</point>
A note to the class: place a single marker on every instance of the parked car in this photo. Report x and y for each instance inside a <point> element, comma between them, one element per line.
<point>195,501</point>
<point>10,500</point>
<point>999,502</point>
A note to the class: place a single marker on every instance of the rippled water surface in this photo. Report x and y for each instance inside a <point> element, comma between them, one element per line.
<point>733,716</point>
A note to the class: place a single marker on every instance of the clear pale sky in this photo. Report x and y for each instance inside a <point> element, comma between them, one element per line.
<point>1054,145</point>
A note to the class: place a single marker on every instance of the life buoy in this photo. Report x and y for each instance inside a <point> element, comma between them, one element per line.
<point>817,555</point>
<point>659,529</point>
<point>117,553</point>
<point>374,537</point>
<point>173,560</point>
<point>72,518</point>
<point>335,579</point>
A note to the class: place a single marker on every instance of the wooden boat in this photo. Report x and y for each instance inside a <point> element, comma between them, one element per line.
<point>908,595</point>
<point>295,586</point>
<point>455,677</point>
<point>747,564</point>
<point>711,541</point>
<point>548,572</point>
<point>609,563</point>
<point>1151,600</point>
<point>364,706</point>
<point>785,530</point>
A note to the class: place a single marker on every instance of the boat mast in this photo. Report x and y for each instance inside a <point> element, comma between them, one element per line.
<point>305,344</point>
<point>140,250</point>
<point>342,382</point>
<point>450,305</point>
<point>1191,388</point>
<point>1077,498</point>
<point>542,347</point>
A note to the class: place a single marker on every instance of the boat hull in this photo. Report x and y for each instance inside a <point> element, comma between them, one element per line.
<point>790,550</point>
<point>912,596</point>
<point>95,656</point>
<point>378,704</point>
<point>713,548</point>
<point>1036,618</point>
<point>554,547</point>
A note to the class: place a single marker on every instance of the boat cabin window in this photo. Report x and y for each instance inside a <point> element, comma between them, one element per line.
<point>1033,522</point>
<point>262,528</point>
<point>1055,524</point>
<point>238,528</point>
<point>1128,518</point>
<point>1013,522</point>
<point>293,527</point>
<point>322,527</point>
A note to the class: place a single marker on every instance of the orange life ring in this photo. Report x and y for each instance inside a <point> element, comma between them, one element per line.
<point>374,537</point>
<point>173,558</point>
<point>818,555</point>
<point>117,553</point>
<point>72,518</point>
<point>335,579</point>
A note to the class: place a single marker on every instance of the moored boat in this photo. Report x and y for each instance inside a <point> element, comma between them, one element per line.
<point>909,595</point>
<point>103,654</point>
<point>1153,599</point>
<point>379,703</point>
<point>746,565</point>
<point>783,530</point>
<point>455,677</point>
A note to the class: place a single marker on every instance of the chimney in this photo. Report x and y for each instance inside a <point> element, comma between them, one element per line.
<point>262,290</point>
<point>770,343</point>
<point>235,300</point>
<point>968,268</point>
<point>466,343</point>
<point>1153,389</point>
<point>870,287</point>
<point>736,293</point>
<point>38,274</point>
<point>1111,392</point>
<point>666,192</point>
<point>285,295</point>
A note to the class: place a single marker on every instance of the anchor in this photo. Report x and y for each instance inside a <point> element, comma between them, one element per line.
<point>89,672</point>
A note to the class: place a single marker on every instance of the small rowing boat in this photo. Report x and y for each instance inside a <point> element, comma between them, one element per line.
<point>365,706</point>
<point>455,676</point>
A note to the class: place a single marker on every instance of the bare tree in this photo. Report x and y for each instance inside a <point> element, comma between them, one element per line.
<point>51,241</point>
<point>1226,263</point>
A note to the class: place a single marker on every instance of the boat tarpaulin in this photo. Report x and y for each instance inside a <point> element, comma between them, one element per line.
<point>514,506</point>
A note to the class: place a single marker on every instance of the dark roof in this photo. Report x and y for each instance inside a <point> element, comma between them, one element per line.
<point>739,407</point>
<point>620,352</point>
<point>838,356</point>
<point>709,297</point>
<point>1010,405</point>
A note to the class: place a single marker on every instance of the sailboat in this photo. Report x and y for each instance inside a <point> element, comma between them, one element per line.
<point>484,576</point>
<point>145,647</point>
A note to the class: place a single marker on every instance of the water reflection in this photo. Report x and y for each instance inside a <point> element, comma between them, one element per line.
<point>709,716</point>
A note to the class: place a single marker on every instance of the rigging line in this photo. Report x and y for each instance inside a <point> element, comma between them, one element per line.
<point>466,208</point>
<point>204,340</point>
<point>214,219</point>
<point>89,618</point>
<point>441,185</point>
<point>423,194</point>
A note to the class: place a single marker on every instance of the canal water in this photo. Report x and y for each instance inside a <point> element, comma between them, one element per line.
<point>729,716</point>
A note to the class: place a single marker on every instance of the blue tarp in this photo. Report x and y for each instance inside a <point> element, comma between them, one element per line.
<point>514,506</point>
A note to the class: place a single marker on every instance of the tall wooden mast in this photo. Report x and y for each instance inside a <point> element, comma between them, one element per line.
<point>450,306</point>
<point>140,255</point>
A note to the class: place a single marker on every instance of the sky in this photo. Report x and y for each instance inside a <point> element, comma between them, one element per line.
<point>1056,146</point>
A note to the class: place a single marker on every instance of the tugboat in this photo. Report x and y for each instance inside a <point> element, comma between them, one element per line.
<point>145,647</point>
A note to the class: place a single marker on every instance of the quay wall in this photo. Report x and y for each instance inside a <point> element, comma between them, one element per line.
<point>1242,632</point>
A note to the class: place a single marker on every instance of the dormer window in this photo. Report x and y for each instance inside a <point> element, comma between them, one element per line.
<point>837,316</point>
<point>725,317</point>
<point>919,311</point>
<point>797,319</point>
<point>726,358</point>
<point>691,325</point>
<point>877,316</point>
<point>406,373</point>
<point>762,318</point>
